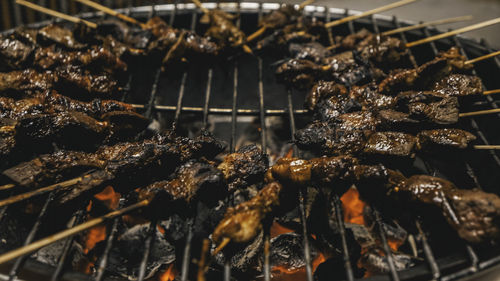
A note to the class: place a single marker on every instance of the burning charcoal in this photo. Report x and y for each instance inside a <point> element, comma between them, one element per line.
<point>375,262</point>
<point>125,257</point>
<point>50,254</point>
<point>287,252</point>
<point>243,258</point>
<point>245,167</point>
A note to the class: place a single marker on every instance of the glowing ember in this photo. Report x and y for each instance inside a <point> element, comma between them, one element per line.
<point>108,197</point>
<point>353,207</point>
<point>169,274</point>
<point>94,236</point>
<point>394,244</point>
<point>277,229</point>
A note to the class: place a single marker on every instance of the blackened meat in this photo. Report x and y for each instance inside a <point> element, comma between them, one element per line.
<point>55,34</point>
<point>242,223</point>
<point>286,14</point>
<point>313,51</point>
<point>429,106</point>
<point>14,54</point>
<point>391,144</point>
<point>323,90</point>
<point>458,85</point>
<point>435,140</point>
<point>352,41</point>
<point>193,180</point>
<point>223,30</point>
<point>347,70</point>
<point>244,167</point>
<point>300,73</point>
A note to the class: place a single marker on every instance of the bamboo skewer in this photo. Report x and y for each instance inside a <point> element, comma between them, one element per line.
<point>39,191</point>
<point>425,24</point>
<point>263,29</point>
<point>489,92</point>
<point>200,6</point>
<point>7,186</point>
<point>480,112</point>
<point>111,12</point>
<point>68,232</point>
<point>454,32</point>
<point>487,147</point>
<point>370,12</point>
<point>494,54</point>
<point>55,13</point>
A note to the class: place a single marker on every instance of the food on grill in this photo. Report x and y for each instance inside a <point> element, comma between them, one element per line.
<point>242,223</point>
<point>73,81</point>
<point>193,181</point>
<point>223,30</point>
<point>331,139</point>
<point>244,167</point>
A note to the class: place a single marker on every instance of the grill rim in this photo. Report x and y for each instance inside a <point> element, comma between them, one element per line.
<point>249,7</point>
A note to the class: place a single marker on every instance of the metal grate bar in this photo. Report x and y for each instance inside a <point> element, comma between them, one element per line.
<point>226,111</point>
<point>432,44</point>
<point>105,255</point>
<point>328,18</point>
<point>234,116</point>
<point>20,261</point>
<point>187,252</point>
<point>350,24</point>
<point>147,249</point>
<point>403,38</point>
<point>207,98</point>
<point>184,76</point>
<point>345,248</point>
<point>67,246</point>
<point>262,111</point>
<point>374,24</point>
<point>154,89</point>
<point>390,259</point>
<point>428,252</point>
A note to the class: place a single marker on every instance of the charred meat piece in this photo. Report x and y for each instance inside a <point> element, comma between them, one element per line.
<point>242,223</point>
<point>14,54</point>
<point>95,58</point>
<point>223,30</point>
<point>313,51</point>
<point>285,15</point>
<point>349,70</point>
<point>383,51</point>
<point>193,180</point>
<point>369,97</point>
<point>80,83</point>
<point>473,213</point>
<point>353,41</point>
<point>323,90</point>
<point>55,34</point>
<point>435,140</point>
<point>424,76</point>
<point>458,85</point>
<point>244,167</point>
<point>391,144</point>
<point>429,106</point>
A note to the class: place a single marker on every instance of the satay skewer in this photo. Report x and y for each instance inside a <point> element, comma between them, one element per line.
<point>369,12</point>
<point>111,12</point>
<point>55,13</point>
<point>454,32</point>
<point>480,112</point>
<point>425,24</point>
<point>69,232</point>
<point>481,58</point>
<point>264,28</point>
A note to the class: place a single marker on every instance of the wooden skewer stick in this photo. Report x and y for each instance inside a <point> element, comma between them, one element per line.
<point>425,24</point>
<point>496,91</point>
<point>480,112</point>
<point>7,186</point>
<point>39,191</point>
<point>485,146</point>
<point>305,3</point>
<point>221,246</point>
<point>200,6</point>
<point>68,232</point>
<point>370,12</point>
<point>111,12</point>
<point>454,32</point>
<point>263,29</point>
<point>494,54</point>
<point>55,13</point>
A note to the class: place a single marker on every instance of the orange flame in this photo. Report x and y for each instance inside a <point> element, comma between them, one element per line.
<point>108,197</point>
<point>277,229</point>
<point>169,274</point>
<point>353,207</point>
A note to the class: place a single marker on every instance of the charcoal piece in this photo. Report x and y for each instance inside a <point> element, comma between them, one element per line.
<point>50,254</point>
<point>375,262</point>
<point>287,251</point>
<point>126,255</point>
<point>245,167</point>
<point>243,258</point>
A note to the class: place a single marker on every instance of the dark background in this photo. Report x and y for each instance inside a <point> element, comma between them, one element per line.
<point>423,10</point>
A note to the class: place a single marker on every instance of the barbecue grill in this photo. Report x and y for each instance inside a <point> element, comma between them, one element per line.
<point>243,94</point>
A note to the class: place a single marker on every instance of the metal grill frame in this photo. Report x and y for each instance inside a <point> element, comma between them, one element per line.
<point>150,107</point>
